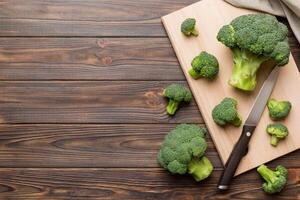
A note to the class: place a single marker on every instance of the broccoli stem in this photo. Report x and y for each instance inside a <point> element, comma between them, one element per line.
<point>274,140</point>
<point>237,121</point>
<point>267,174</point>
<point>200,168</point>
<point>244,70</point>
<point>172,107</point>
<point>195,32</point>
<point>194,74</point>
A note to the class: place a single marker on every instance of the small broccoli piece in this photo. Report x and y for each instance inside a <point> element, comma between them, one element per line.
<point>188,27</point>
<point>277,132</point>
<point>200,168</point>
<point>204,65</point>
<point>182,151</point>
<point>254,39</point>
<point>275,180</point>
<point>226,113</point>
<point>176,94</point>
<point>278,109</point>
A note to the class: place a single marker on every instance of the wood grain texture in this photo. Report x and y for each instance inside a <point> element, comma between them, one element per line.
<point>113,145</point>
<point>213,14</point>
<point>85,18</point>
<point>93,59</point>
<point>133,184</point>
<point>88,59</point>
<point>89,102</point>
<point>57,66</point>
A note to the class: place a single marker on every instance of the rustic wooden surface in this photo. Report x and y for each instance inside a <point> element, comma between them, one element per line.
<point>81,110</point>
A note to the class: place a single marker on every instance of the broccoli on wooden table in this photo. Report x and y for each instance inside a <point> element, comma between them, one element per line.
<point>226,113</point>
<point>204,65</point>
<point>254,39</point>
<point>176,94</point>
<point>188,27</point>
<point>183,151</point>
<point>275,180</point>
<point>278,109</point>
<point>277,132</point>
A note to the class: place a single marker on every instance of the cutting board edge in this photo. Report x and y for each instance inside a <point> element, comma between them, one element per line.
<point>296,146</point>
<point>239,172</point>
<point>191,88</point>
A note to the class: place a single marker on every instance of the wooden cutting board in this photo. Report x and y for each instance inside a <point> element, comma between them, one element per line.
<point>211,15</point>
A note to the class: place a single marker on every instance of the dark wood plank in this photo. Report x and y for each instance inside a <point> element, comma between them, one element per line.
<point>134,184</point>
<point>85,18</point>
<point>84,145</point>
<point>117,145</point>
<point>89,102</point>
<point>92,59</point>
<point>88,59</point>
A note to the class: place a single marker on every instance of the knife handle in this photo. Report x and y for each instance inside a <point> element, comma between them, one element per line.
<point>239,151</point>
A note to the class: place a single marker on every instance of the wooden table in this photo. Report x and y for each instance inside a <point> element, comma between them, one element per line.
<point>81,107</point>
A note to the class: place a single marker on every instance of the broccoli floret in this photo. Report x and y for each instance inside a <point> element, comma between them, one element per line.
<point>188,27</point>
<point>176,94</point>
<point>204,65</point>
<point>254,39</point>
<point>275,180</point>
<point>278,109</point>
<point>278,132</point>
<point>182,151</point>
<point>226,113</point>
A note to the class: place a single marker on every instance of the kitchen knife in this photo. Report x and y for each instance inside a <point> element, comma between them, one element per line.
<point>241,147</point>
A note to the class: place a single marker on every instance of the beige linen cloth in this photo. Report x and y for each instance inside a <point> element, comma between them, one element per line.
<point>284,8</point>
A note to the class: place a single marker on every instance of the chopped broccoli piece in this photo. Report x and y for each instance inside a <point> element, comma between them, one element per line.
<point>188,27</point>
<point>182,151</point>
<point>176,94</point>
<point>275,180</point>
<point>278,109</point>
<point>278,132</point>
<point>204,65</point>
<point>254,39</point>
<point>226,113</point>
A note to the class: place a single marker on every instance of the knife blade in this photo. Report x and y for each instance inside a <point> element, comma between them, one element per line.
<point>241,147</point>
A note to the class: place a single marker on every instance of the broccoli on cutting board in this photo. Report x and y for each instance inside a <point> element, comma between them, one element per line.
<point>176,94</point>
<point>275,180</point>
<point>204,65</point>
<point>278,109</point>
<point>277,132</point>
<point>183,151</point>
<point>188,27</point>
<point>254,39</point>
<point>226,113</point>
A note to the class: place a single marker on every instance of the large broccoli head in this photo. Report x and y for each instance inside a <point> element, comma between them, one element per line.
<point>275,180</point>
<point>226,113</point>
<point>278,132</point>
<point>176,94</point>
<point>204,65</point>
<point>254,39</point>
<point>182,151</point>
<point>278,109</point>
